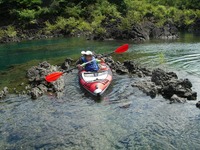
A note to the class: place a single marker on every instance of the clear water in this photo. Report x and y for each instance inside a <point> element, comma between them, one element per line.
<point>76,121</point>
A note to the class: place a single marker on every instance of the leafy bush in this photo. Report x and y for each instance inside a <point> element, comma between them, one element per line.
<point>93,15</point>
<point>8,32</point>
<point>27,14</point>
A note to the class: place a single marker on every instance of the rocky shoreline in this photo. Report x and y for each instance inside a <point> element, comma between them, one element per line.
<point>152,83</point>
<point>138,33</point>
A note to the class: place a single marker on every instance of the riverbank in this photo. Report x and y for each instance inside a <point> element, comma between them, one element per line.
<point>125,20</point>
<point>137,33</point>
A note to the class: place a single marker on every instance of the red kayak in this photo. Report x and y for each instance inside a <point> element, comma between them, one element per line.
<point>96,83</point>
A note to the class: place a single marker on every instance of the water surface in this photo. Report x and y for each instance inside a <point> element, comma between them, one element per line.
<point>76,121</point>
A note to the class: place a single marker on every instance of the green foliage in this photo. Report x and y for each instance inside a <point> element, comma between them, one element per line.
<point>8,32</point>
<point>92,15</point>
<point>70,24</point>
<point>27,14</point>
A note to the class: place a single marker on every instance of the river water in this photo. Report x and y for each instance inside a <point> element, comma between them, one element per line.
<point>75,121</point>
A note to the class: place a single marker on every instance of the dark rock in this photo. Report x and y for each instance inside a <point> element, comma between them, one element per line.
<point>43,88</point>
<point>116,66</point>
<point>4,92</point>
<point>198,104</point>
<point>171,85</point>
<point>36,76</point>
<point>192,96</point>
<point>35,93</point>
<point>160,77</point>
<point>134,68</point>
<point>66,64</point>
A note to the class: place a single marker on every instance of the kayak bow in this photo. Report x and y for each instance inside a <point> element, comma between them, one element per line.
<point>96,83</point>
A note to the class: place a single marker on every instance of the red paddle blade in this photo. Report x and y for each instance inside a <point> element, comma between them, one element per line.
<point>53,77</point>
<point>122,49</point>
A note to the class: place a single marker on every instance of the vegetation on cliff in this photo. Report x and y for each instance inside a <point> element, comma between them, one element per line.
<point>92,16</point>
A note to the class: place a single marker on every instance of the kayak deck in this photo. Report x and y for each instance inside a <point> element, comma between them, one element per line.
<point>96,82</point>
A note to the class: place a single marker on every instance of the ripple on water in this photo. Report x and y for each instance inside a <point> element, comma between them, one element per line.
<point>75,121</point>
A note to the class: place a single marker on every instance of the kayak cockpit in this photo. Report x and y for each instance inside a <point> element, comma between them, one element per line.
<point>94,76</point>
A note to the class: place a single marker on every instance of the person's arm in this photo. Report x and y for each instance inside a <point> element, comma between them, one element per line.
<point>78,63</point>
<point>101,60</point>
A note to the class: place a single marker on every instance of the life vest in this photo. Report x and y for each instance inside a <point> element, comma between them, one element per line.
<point>93,66</point>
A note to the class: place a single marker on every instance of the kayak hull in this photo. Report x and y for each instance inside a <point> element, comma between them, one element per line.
<point>96,83</point>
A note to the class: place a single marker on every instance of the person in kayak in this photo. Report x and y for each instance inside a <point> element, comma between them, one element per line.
<point>86,57</point>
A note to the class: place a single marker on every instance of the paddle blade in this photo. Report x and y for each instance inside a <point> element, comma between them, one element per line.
<point>122,49</point>
<point>53,77</point>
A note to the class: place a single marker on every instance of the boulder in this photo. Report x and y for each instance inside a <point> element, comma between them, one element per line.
<point>116,66</point>
<point>134,68</point>
<point>38,84</point>
<point>172,85</point>
<point>35,93</point>
<point>160,77</point>
<point>198,104</point>
<point>66,64</point>
<point>4,92</point>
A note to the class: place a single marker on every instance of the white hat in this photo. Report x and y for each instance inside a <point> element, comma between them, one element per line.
<point>86,53</point>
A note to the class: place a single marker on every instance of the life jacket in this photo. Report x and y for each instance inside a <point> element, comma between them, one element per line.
<point>93,66</point>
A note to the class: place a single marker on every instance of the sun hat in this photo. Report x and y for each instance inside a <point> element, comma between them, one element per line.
<point>88,53</point>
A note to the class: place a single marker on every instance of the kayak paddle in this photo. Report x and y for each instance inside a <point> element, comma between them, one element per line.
<point>54,76</point>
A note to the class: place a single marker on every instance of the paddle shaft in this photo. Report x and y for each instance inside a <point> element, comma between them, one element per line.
<point>76,67</point>
<point>54,76</point>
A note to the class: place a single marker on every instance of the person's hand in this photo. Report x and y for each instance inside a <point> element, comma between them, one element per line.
<point>102,60</point>
<point>80,67</point>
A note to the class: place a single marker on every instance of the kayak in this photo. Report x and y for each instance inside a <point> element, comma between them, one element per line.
<point>96,83</point>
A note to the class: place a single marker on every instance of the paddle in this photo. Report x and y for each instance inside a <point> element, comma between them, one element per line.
<point>54,76</point>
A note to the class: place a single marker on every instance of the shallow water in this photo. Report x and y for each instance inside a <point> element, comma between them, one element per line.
<point>76,121</point>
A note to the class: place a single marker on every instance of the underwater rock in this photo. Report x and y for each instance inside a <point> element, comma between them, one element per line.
<point>147,87</point>
<point>125,105</point>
